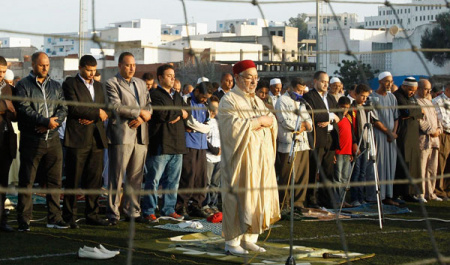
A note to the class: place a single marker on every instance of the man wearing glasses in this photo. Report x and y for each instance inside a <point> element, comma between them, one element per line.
<point>248,132</point>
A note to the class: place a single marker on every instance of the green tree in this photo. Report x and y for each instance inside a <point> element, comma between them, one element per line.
<point>350,74</point>
<point>438,37</point>
<point>299,22</point>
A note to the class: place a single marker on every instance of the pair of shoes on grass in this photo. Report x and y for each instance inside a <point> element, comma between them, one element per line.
<point>97,253</point>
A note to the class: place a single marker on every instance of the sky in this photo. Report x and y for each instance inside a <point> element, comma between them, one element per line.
<point>58,16</point>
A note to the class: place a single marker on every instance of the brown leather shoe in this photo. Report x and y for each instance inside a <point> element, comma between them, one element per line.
<point>389,201</point>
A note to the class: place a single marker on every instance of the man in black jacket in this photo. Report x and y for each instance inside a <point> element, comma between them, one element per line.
<point>85,140</point>
<point>326,138</point>
<point>38,121</point>
<point>167,146</point>
<point>8,141</point>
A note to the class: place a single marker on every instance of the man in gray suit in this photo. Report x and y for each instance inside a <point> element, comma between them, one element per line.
<point>127,137</point>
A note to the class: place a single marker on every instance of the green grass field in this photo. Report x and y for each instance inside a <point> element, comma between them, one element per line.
<point>399,241</point>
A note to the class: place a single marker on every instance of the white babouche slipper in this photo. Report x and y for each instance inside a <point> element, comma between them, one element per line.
<point>252,247</point>
<point>235,250</point>
<point>96,253</point>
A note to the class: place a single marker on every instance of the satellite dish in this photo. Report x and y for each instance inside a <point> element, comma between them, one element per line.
<point>393,30</point>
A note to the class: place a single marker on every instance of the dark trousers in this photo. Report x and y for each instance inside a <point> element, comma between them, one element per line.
<point>443,185</point>
<point>5,164</point>
<point>193,176</point>
<point>47,155</point>
<point>321,160</point>
<point>83,165</point>
<point>300,175</point>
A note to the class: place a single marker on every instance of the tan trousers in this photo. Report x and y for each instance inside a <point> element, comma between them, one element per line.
<point>429,165</point>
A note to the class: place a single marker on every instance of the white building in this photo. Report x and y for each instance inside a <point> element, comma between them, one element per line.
<point>359,40</point>
<point>408,63</point>
<point>410,16</point>
<point>230,25</point>
<point>329,22</point>
<point>146,30</point>
<point>14,42</point>
<point>181,30</point>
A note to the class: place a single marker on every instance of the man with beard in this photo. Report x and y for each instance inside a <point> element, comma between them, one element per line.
<point>408,139</point>
<point>385,134</point>
<point>248,133</point>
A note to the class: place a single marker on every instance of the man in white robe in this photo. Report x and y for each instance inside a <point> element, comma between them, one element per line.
<point>248,134</point>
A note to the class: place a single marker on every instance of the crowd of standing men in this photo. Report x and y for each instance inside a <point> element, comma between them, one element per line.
<point>184,141</point>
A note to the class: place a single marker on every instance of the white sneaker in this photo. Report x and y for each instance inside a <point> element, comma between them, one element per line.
<point>422,199</point>
<point>437,199</point>
<point>237,250</point>
<point>356,203</point>
<point>252,247</point>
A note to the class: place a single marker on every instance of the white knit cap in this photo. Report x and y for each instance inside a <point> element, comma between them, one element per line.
<point>275,81</point>
<point>383,75</point>
<point>410,81</point>
<point>202,79</point>
<point>335,80</point>
<point>9,75</point>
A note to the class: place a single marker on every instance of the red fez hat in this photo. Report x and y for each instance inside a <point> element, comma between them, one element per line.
<point>242,66</point>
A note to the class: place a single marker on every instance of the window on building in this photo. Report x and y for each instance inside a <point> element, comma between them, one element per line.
<point>72,48</point>
<point>61,49</point>
<point>60,39</point>
<point>221,26</point>
<point>280,33</point>
<point>334,57</point>
<point>177,32</point>
<point>49,40</point>
<point>416,8</point>
<point>293,53</point>
<point>273,33</point>
<point>6,42</point>
<point>47,50</point>
<point>384,13</point>
<point>379,13</point>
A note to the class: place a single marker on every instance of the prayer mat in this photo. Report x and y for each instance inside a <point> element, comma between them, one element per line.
<point>371,209</point>
<point>211,246</point>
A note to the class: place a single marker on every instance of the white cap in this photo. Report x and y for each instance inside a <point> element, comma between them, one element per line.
<point>335,80</point>
<point>410,81</point>
<point>306,89</point>
<point>275,81</point>
<point>202,79</point>
<point>9,75</point>
<point>383,75</point>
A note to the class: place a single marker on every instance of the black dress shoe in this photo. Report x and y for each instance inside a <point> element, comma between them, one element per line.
<point>113,221</point>
<point>183,212</point>
<point>409,198</point>
<point>138,219</point>
<point>6,228</point>
<point>74,225</point>
<point>99,222</point>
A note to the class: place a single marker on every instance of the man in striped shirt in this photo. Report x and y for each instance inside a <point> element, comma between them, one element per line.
<point>442,103</point>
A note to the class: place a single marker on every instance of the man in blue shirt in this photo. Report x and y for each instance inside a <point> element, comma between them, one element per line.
<point>193,174</point>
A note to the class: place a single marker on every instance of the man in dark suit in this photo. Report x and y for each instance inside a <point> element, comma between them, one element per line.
<point>85,140</point>
<point>8,141</point>
<point>326,138</point>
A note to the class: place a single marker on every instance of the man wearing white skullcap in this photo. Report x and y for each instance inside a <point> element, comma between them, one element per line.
<point>275,89</point>
<point>408,138</point>
<point>385,134</point>
<point>335,88</point>
<point>9,77</point>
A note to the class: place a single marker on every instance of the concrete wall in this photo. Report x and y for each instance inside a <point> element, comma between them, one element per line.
<point>408,63</point>
<point>10,42</point>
